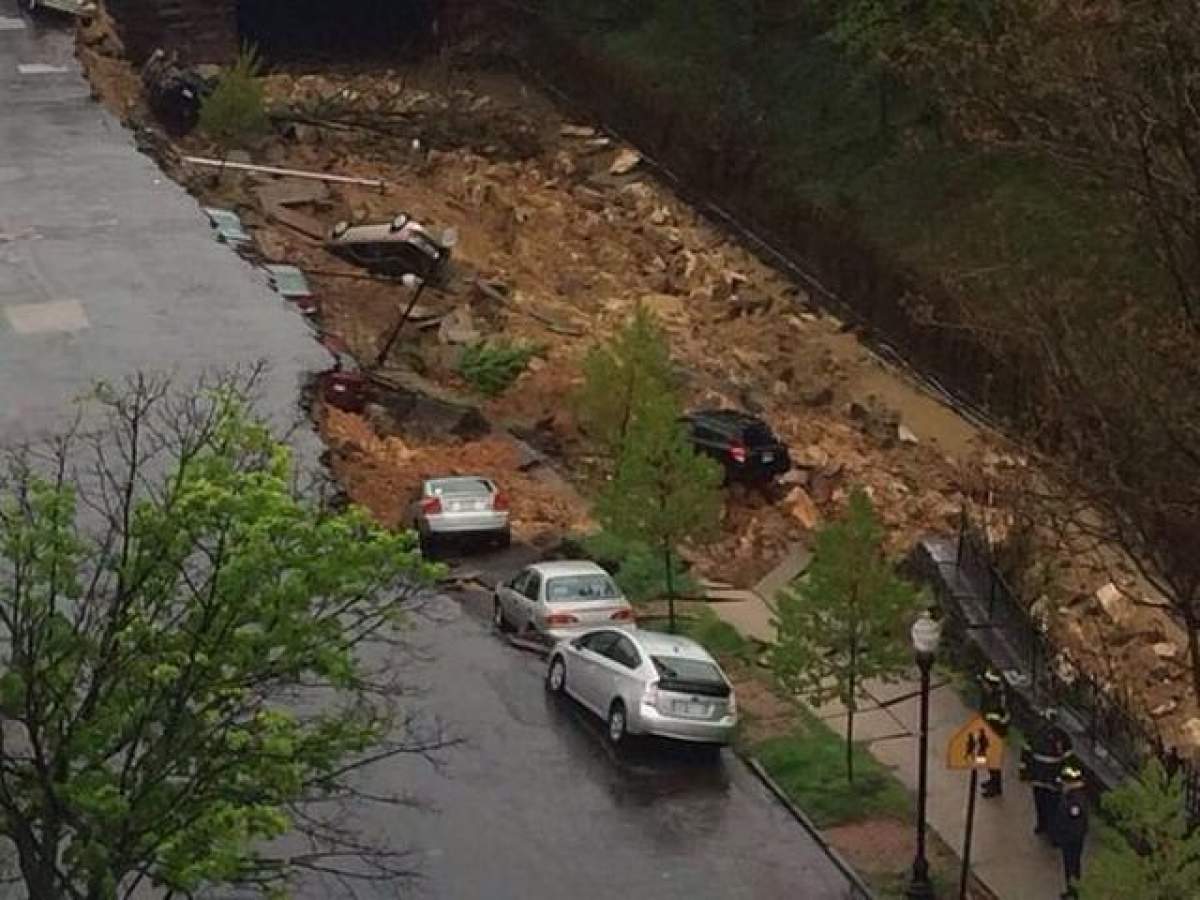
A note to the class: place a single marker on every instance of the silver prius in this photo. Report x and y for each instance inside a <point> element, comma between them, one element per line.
<point>558,599</point>
<point>646,682</point>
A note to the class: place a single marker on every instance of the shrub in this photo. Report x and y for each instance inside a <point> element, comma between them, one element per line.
<point>491,368</point>
<point>234,113</point>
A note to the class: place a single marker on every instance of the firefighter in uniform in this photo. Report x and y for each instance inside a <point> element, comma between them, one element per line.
<point>1071,825</point>
<point>994,706</point>
<point>1041,764</point>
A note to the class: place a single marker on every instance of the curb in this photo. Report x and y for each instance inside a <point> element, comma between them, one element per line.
<point>860,890</point>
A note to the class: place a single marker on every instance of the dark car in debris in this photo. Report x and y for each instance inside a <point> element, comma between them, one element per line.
<point>399,247</point>
<point>744,445</point>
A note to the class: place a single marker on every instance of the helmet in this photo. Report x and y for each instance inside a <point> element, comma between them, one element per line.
<point>991,675</point>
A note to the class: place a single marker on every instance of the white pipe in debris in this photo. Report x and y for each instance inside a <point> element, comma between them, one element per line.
<point>291,173</point>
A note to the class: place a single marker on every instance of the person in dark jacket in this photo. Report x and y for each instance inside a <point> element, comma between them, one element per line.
<point>1071,826</point>
<point>1042,763</point>
<point>994,706</point>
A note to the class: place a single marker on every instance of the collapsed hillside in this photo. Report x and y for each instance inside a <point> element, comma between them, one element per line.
<point>561,233</point>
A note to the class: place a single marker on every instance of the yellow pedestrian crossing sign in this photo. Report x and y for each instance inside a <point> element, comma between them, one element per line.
<point>975,746</point>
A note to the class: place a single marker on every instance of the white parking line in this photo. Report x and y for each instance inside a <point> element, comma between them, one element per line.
<point>7,23</point>
<point>40,69</point>
<point>37,318</point>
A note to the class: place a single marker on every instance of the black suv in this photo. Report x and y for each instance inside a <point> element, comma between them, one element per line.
<point>743,444</point>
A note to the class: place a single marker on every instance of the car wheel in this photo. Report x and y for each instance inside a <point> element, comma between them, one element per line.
<point>617,723</point>
<point>556,678</point>
<point>499,619</point>
<point>427,543</point>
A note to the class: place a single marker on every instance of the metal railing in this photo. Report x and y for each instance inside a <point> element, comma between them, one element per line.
<point>1111,730</point>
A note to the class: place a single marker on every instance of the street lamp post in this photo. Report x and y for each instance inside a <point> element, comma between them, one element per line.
<point>411,282</point>
<point>926,634</point>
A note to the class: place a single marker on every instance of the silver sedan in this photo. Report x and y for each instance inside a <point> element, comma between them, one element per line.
<point>559,599</point>
<point>460,507</point>
<point>646,682</point>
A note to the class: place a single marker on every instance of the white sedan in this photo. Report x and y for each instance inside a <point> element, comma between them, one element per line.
<point>645,682</point>
<point>558,599</point>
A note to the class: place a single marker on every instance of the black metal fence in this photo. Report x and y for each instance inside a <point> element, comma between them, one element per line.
<point>1116,739</point>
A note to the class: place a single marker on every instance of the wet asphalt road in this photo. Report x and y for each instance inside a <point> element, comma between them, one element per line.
<point>107,267</point>
<point>536,805</point>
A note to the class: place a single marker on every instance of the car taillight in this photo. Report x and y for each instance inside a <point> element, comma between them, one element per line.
<point>499,502</point>
<point>622,615</point>
<point>650,694</point>
<point>738,453</point>
<point>431,505</point>
<point>561,619</point>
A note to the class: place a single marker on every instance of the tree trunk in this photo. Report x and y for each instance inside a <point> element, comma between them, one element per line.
<point>670,587</point>
<point>36,872</point>
<point>850,709</point>
<point>1189,617</point>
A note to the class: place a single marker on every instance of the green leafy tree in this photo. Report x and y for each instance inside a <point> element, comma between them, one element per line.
<point>637,567</point>
<point>620,379</point>
<point>184,676</point>
<point>844,622</point>
<point>234,114</point>
<point>663,492</point>
<point>1150,811</point>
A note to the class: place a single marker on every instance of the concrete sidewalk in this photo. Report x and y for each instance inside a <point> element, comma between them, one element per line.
<point>1006,856</point>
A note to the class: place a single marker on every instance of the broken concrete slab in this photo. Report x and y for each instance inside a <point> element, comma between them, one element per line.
<point>297,221</point>
<point>291,192</point>
<point>788,570</point>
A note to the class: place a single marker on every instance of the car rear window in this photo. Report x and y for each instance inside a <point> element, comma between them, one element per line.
<point>758,435</point>
<point>460,486</point>
<point>566,588</point>
<point>690,676</point>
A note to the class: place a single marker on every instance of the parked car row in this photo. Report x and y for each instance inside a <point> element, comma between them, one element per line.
<point>639,682</point>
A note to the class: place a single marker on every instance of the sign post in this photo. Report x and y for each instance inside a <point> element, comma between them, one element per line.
<point>975,746</point>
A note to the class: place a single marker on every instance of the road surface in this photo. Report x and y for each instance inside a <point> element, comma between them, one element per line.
<point>536,805</point>
<point>106,266</point>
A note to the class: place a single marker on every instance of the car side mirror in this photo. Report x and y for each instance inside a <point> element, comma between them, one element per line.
<point>577,643</point>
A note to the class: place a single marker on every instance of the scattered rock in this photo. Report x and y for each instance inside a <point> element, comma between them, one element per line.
<point>1165,650</point>
<point>577,131</point>
<point>802,508</point>
<point>1190,731</point>
<point>905,434</point>
<point>1116,605</point>
<point>819,397</point>
<point>459,327</point>
<point>666,306</point>
<point>626,161</point>
<point>794,476</point>
<point>1164,709</point>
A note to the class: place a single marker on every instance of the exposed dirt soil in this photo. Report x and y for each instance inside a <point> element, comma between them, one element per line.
<point>573,248</point>
<point>385,474</point>
<point>883,847</point>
